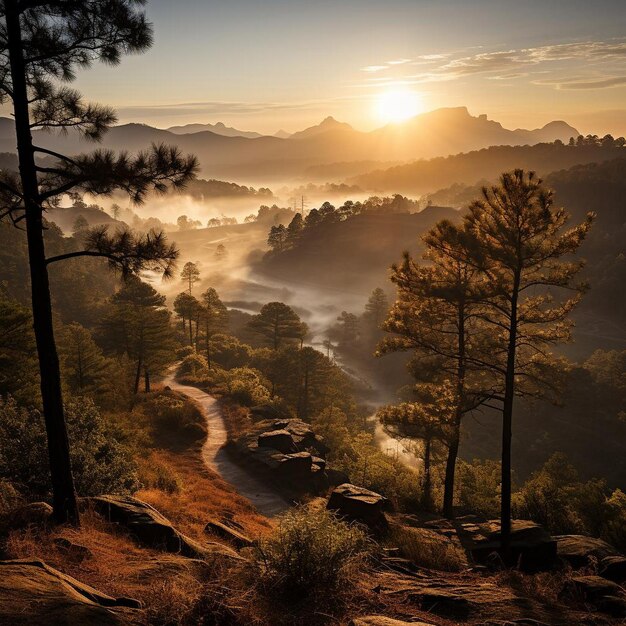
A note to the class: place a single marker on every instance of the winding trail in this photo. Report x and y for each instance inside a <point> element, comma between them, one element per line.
<point>267,501</point>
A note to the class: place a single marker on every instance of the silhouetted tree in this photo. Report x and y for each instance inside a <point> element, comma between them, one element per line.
<point>43,43</point>
<point>277,238</point>
<point>522,238</point>
<point>220,252</point>
<point>278,322</point>
<point>376,309</point>
<point>186,307</point>
<point>190,275</point>
<point>214,318</point>
<point>138,325</point>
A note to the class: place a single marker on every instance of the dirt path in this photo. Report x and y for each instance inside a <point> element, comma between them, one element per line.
<point>266,500</point>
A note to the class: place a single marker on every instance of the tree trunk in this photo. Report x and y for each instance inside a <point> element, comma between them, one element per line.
<point>138,376</point>
<point>507,423</point>
<point>146,380</point>
<point>191,331</point>
<point>208,346</point>
<point>427,483</point>
<point>453,449</point>
<point>64,504</point>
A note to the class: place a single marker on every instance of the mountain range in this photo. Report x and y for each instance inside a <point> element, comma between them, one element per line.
<point>263,158</point>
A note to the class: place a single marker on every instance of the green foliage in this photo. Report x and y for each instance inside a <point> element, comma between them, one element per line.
<point>245,386</point>
<point>193,363</point>
<point>310,553</point>
<point>18,365</point>
<point>556,498</point>
<point>278,323</point>
<point>175,414</point>
<point>100,463</point>
<point>479,486</point>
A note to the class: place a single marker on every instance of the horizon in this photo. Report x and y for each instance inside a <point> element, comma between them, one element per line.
<point>522,66</point>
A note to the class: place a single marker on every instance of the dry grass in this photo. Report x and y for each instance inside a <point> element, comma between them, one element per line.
<point>425,549</point>
<point>237,419</point>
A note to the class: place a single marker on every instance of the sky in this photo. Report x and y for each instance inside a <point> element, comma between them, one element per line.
<point>266,65</point>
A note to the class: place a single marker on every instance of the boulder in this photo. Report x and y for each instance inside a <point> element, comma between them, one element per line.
<point>265,412</point>
<point>579,550</point>
<point>32,514</point>
<point>280,440</point>
<point>359,504</point>
<point>381,620</point>
<point>613,568</point>
<point>302,435</point>
<point>73,551</point>
<point>605,595</point>
<point>532,547</point>
<point>152,529</point>
<point>33,593</point>
<point>295,465</point>
<point>224,531</point>
<point>336,477</point>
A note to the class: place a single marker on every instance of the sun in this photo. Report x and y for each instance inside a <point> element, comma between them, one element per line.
<point>398,105</point>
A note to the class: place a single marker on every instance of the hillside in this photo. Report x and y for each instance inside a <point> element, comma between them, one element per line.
<point>425,176</point>
<point>438,133</point>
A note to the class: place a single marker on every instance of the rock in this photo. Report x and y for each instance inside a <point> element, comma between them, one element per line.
<point>33,514</point>
<point>224,531</point>
<point>605,595</point>
<point>73,551</point>
<point>32,593</point>
<point>336,477</point>
<point>613,568</point>
<point>532,547</point>
<point>152,529</point>
<point>578,550</point>
<point>280,440</point>
<point>295,465</point>
<point>359,504</point>
<point>381,620</point>
<point>461,597</point>
<point>302,435</point>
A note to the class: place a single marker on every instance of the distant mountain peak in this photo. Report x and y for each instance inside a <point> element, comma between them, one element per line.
<point>327,124</point>
<point>219,128</point>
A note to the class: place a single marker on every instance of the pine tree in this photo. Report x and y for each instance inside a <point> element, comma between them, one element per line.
<point>186,307</point>
<point>294,230</point>
<point>214,318</point>
<point>278,322</point>
<point>437,316</point>
<point>277,238</point>
<point>521,238</point>
<point>376,309</point>
<point>83,366</point>
<point>138,325</point>
<point>44,43</point>
<point>348,329</point>
<point>428,420</point>
<point>190,275</point>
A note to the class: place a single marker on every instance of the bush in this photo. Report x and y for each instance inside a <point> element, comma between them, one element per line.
<point>183,352</point>
<point>154,473</point>
<point>245,386</point>
<point>194,364</point>
<point>311,553</point>
<point>173,413</point>
<point>479,486</point>
<point>100,463</point>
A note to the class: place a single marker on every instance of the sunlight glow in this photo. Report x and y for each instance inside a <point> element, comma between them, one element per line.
<point>397,105</point>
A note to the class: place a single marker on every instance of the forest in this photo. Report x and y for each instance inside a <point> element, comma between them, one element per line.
<point>395,397</point>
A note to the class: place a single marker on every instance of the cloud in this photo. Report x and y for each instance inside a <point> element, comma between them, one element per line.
<point>598,83</point>
<point>398,62</point>
<point>558,59</point>
<point>373,68</point>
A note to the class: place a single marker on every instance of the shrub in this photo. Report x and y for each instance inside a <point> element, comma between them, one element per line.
<point>194,364</point>
<point>479,486</point>
<point>245,386</point>
<point>310,553</point>
<point>9,497</point>
<point>173,413</point>
<point>99,462</point>
<point>154,473</point>
<point>183,352</point>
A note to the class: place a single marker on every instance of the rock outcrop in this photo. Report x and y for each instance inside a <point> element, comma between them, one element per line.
<point>225,530</point>
<point>604,595</point>
<point>360,505</point>
<point>579,550</point>
<point>33,593</point>
<point>32,514</point>
<point>289,452</point>
<point>152,529</point>
<point>532,547</point>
